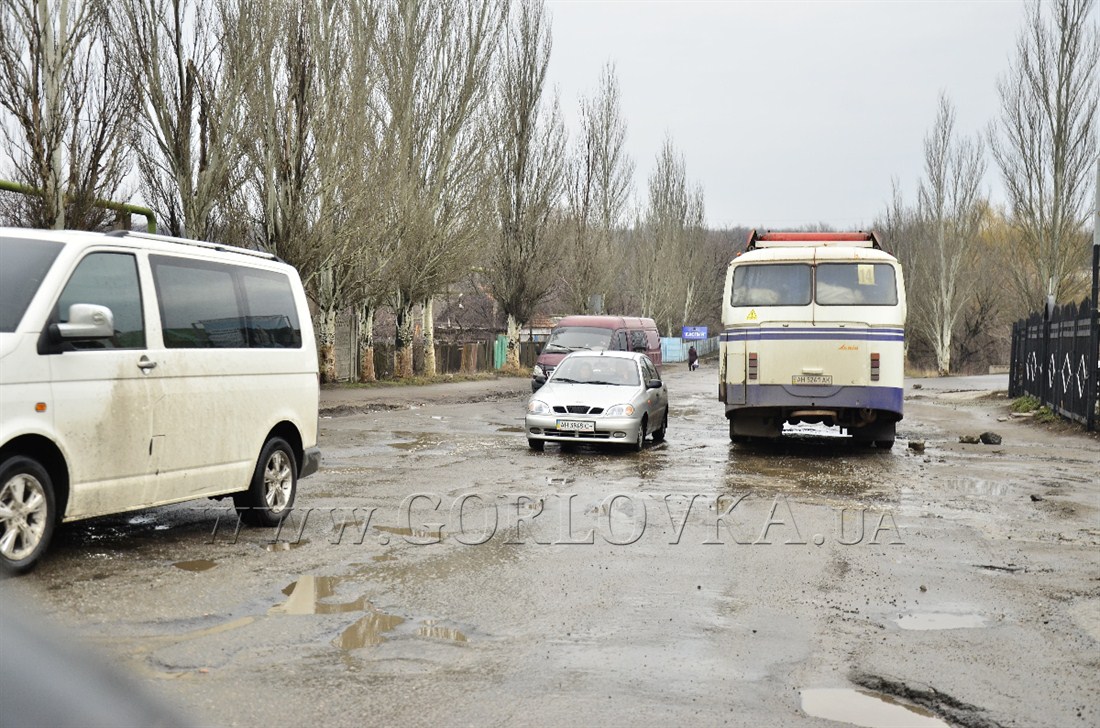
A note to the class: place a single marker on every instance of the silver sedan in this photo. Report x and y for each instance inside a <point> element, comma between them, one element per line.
<point>597,397</point>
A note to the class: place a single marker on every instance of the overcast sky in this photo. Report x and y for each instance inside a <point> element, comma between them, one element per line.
<point>788,113</point>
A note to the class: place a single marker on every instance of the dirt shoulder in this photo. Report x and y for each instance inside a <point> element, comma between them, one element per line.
<point>344,399</point>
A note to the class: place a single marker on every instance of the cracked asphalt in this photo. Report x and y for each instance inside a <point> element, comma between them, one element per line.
<point>437,572</point>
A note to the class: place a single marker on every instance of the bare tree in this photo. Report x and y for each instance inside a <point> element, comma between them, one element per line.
<point>191,71</point>
<point>435,64</point>
<point>305,154</point>
<point>949,213</point>
<point>1045,143</point>
<point>530,158</point>
<point>68,108</point>
<point>667,250</point>
<point>598,188</point>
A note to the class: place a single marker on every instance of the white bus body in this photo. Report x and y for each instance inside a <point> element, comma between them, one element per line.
<point>814,333</point>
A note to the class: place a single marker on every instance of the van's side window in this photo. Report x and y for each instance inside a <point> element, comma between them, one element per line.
<point>198,304</point>
<point>111,280</point>
<point>204,305</point>
<point>272,317</point>
<point>637,340</point>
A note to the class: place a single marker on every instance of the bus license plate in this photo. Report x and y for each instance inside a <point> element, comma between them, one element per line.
<point>819,379</point>
<point>577,425</point>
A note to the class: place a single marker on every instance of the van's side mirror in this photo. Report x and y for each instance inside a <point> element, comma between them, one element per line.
<point>540,379</point>
<point>653,384</point>
<point>86,321</point>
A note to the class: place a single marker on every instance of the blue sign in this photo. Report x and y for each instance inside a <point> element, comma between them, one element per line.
<point>694,332</point>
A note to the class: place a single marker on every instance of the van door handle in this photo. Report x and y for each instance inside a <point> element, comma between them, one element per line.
<point>145,364</point>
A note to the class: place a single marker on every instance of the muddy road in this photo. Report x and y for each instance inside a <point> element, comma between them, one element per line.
<point>439,573</point>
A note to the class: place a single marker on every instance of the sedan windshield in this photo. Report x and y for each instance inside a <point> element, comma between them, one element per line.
<point>598,370</point>
<point>574,338</point>
<point>23,265</point>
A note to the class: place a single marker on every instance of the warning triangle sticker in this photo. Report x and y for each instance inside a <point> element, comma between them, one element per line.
<point>752,315</point>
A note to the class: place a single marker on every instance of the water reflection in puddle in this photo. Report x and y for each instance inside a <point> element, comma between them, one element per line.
<point>865,708</point>
<point>306,596</point>
<point>285,545</point>
<point>196,565</point>
<point>940,620</point>
<point>368,630</point>
<point>429,628</point>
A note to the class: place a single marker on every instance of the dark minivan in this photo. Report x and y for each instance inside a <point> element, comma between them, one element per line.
<point>596,333</point>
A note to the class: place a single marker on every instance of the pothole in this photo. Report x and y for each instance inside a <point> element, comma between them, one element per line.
<point>196,565</point>
<point>866,708</point>
<point>941,620</point>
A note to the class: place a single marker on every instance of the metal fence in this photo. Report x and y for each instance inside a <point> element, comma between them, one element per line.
<point>1055,357</point>
<point>675,349</point>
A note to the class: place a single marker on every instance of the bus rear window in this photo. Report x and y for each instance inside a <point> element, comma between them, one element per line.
<point>856,284</point>
<point>785,284</point>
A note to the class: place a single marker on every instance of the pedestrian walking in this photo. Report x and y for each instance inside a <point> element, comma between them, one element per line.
<point>693,358</point>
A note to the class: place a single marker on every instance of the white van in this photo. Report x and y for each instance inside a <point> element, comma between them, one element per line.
<point>138,370</point>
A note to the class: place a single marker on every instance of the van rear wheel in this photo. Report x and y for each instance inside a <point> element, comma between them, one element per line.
<point>27,513</point>
<point>270,496</point>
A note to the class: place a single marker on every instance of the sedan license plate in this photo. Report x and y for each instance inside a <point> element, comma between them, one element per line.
<point>577,425</point>
<point>819,379</point>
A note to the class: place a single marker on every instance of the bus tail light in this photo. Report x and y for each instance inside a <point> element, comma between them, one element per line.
<point>874,367</point>
<point>753,368</point>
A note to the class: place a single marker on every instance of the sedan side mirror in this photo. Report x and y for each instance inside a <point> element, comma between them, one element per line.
<point>654,384</point>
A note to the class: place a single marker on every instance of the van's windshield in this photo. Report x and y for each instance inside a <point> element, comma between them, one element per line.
<point>23,265</point>
<point>574,338</point>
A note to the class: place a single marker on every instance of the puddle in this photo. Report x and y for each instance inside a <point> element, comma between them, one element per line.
<point>865,708</point>
<point>368,631</point>
<point>306,596</point>
<point>418,441</point>
<point>285,545</point>
<point>428,628</point>
<point>417,533</point>
<point>196,565</point>
<point>941,620</point>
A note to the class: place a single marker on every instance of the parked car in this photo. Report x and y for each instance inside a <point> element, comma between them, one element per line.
<point>596,333</point>
<point>138,370</point>
<point>599,397</point>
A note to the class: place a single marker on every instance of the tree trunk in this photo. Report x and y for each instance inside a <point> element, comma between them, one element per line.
<point>403,343</point>
<point>943,353</point>
<point>326,344</point>
<point>511,361</point>
<point>428,314</point>
<point>366,344</point>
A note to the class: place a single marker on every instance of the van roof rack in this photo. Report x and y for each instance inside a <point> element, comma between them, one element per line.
<point>769,239</point>
<point>196,243</point>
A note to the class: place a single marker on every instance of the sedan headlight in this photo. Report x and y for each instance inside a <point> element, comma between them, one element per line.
<point>538,407</point>
<point>619,410</point>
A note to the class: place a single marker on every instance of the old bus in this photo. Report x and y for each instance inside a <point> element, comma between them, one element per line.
<point>814,333</point>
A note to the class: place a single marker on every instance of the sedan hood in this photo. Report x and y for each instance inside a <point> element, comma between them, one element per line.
<point>591,395</point>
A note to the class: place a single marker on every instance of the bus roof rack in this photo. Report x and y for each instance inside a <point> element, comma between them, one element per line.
<point>769,239</point>
<point>196,243</point>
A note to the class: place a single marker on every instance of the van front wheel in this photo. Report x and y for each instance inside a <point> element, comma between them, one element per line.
<point>270,496</point>
<point>27,513</point>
